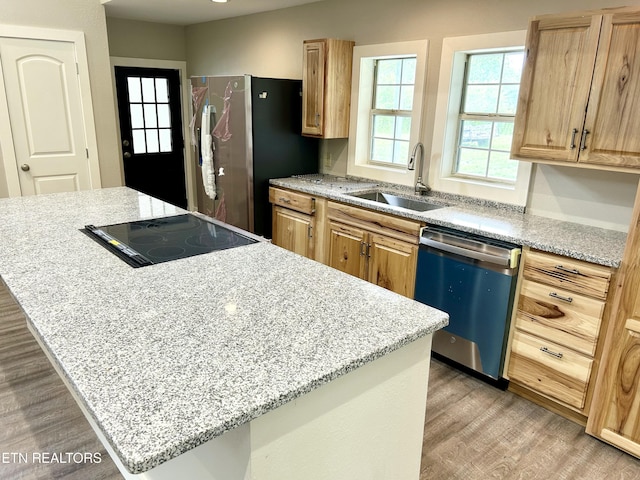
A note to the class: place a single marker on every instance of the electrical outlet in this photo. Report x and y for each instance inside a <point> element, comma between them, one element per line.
<point>327,160</point>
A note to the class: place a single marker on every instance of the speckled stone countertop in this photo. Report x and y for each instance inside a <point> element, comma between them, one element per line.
<point>168,356</point>
<point>494,220</point>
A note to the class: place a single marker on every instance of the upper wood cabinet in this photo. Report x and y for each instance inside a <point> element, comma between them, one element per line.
<point>579,99</point>
<point>326,87</point>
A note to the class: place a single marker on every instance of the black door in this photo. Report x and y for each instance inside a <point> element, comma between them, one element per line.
<point>151,132</point>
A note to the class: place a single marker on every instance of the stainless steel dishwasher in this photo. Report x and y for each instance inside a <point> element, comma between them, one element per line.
<point>473,279</point>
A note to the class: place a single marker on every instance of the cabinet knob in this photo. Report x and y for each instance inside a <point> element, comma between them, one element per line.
<point>25,167</point>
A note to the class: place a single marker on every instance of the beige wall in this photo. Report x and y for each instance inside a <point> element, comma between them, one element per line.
<point>270,44</point>
<point>86,16</point>
<point>134,39</point>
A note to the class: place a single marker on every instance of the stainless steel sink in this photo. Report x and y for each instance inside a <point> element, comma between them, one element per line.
<point>396,201</point>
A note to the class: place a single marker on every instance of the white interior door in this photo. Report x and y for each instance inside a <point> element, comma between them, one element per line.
<point>44,103</point>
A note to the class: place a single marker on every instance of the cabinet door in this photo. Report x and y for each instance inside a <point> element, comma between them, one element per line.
<point>613,117</point>
<point>313,73</point>
<point>392,264</point>
<point>554,88</point>
<point>293,231</point>
<point>347,249</point>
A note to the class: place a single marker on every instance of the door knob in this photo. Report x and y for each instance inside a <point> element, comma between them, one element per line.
<point>25,167</point>
<point>127,155</point>
<point>125,143</point>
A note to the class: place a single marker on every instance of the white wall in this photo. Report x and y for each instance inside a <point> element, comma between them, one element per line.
<point>270,44</point>
<point>86,16</point>
<point>148,40</point>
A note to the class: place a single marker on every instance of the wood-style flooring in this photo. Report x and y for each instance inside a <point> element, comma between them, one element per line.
<point>473,431</point>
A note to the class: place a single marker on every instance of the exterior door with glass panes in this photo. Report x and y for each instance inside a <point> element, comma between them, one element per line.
<point>151,132</point>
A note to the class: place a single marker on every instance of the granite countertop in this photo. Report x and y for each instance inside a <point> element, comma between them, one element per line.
<point>168,356</point>
<point>493,220</point>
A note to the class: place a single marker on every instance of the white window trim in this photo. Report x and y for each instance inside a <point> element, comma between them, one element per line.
<point>361,93</point>
<point>454,50</point>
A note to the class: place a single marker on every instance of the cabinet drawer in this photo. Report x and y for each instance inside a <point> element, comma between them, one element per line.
<point>567,273</point>
<point>294,201</point>
<point>387,225</point>
<point>564,317</point>
<point>549,369</point>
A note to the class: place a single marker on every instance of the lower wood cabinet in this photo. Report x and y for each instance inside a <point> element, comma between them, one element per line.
<point>294,231</point>
<point>295,224</point>
<point>557,328</point>
<point>379,248</point>
<point>615,411</point>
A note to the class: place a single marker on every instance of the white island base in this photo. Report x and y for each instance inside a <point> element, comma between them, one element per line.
<point>367,424</point>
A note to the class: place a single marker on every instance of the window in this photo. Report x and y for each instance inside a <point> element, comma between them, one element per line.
<point>488,106</point>
<point>386,110</point>
<point>150,114</point>
<point>391,110</point>
<point>475,108</point>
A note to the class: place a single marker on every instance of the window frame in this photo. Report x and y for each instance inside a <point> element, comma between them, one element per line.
<point>359,163</point>
<point>479,117</point>
<point>447,122</point>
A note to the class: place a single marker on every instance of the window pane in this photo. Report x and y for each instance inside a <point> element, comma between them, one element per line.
<point>473,162</point>
<point>508,99</point>
<point>481,99</point>
<point>150,116</point>
<point>502,134</point>
<point>162,90</point>
<point>164,116</point>
<point>406,97</point>
<point>409,71</point>
<point>512,71</point>
<point>502,167</point>
<point>165,140</point>
<point>137,120</point>
<point>382,150</point>
<point>139,145</point>
<point>135,94</point>
<point>388,71</point>
<point>401,153</point>
<point>152,141</point>
<point>387,97</point>
<point>403,128</point>
<point>485,68</point>
<point>476,134</point>
<point>383,126</point>
<point>148,90</point>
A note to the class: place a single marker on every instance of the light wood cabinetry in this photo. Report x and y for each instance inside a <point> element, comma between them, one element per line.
<point>557,327</point>
<point>326,87</point>
<point>379,248</point>
<point>579,90</point>
<point>615,411</point>
<point>295,226</point>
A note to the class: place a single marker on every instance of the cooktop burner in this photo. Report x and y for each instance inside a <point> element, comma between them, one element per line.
<point>158,240</point>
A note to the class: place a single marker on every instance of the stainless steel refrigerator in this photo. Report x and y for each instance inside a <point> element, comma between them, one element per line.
<point>252,133</point>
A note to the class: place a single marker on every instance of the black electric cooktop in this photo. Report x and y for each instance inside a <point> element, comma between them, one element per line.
<point>158,240</point>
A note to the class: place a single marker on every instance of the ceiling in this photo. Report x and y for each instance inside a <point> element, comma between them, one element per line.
<point>188,12</point>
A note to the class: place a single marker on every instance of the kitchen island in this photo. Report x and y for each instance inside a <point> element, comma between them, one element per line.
<point>251,362</point>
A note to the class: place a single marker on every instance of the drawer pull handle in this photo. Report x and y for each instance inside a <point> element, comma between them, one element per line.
<point>550,352</point>
<point>568,270</point>
<point>560,297</point>
<point>285,200</point>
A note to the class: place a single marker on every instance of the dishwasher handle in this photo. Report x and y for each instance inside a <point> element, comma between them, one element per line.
<point>466,247</point>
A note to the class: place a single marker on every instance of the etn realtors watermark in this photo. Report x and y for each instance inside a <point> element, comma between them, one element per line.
<point>50,457</point>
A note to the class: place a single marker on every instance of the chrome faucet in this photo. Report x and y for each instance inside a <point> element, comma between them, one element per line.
<point>420,187</point>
